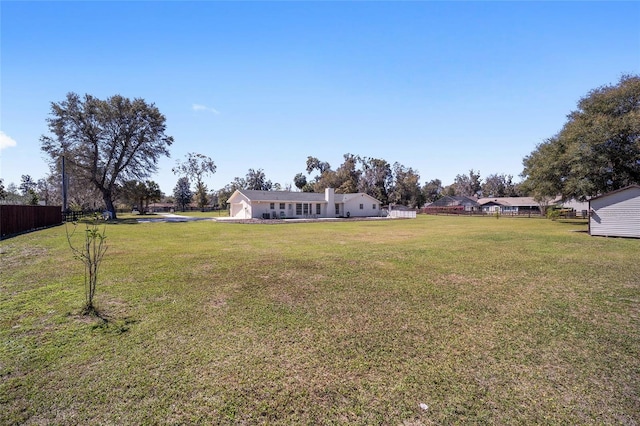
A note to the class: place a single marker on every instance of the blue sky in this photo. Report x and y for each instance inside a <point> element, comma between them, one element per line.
<point>442,87</point>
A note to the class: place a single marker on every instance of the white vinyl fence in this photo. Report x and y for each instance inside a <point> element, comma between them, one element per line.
<point>406,214</point>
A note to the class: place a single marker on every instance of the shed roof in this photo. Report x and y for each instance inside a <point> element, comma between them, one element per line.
<point>615,192</point>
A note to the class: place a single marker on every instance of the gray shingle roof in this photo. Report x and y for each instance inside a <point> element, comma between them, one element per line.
<point>291,197</point>
<point>282,196</point>
<point>510,201</point>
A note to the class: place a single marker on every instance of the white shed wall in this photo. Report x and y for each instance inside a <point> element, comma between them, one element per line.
<point>616,215</point>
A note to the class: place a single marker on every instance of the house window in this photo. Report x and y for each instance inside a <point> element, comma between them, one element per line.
<point>298,209</point>
<point>281,206</point>
<point>305,208</point>
<point>337,208</point>
<point>272,206</point>
<point>374,206</point>
<point>361,206</point>
<point>318,209</point>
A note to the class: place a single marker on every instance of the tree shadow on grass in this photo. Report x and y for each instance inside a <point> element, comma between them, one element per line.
<point>127,221</point>
<point>573,221</point>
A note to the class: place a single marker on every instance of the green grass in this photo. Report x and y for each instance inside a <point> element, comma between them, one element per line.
<point>509,321</point>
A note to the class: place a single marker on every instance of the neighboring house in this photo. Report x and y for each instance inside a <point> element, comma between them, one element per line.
<point>580,207</point>
<point>616,214</point>
<point>450,203</point>
<point>251,204</point>
<point>509,205</point>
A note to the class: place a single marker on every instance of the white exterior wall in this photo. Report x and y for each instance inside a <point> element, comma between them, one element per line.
<point>578,206</point>
<point>240,210</point>
<point>352,206</point>
<point>311,209</point>
<point>241,207</point>
<point>329,210</point>
<point>616,214</point>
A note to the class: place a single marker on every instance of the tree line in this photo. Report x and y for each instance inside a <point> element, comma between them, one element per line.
<point>110,148</point>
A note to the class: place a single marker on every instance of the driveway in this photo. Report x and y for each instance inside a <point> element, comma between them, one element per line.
<point>170,217</point>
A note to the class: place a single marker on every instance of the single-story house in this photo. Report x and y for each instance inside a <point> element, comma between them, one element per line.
<point>616,214</point>
<point>509,205</point>
<point>452,203</point>
<point>252,204</point>
<point>580,207</point>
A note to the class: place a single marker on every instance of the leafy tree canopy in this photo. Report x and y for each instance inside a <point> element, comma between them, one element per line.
<point>182,193</point>
<point>257,180</point>
<point>107,141</point>
<point>140,194</point>
<point>196,167</point>
<point>468,185</point>
<point>597,150</point>
<point>27,184</point>
<point>432,190</point>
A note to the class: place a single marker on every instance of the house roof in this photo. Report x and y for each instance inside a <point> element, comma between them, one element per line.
<point>509,201</point>
<point>454,200</point>
<point>281,196</point>
<point>294,197</point>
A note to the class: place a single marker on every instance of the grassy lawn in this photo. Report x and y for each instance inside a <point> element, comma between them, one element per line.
<point>509,321</point>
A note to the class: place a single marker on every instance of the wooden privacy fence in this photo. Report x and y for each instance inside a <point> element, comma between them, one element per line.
<point>18,219</point>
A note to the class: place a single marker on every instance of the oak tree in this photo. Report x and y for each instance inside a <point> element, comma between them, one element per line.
<point>596,151</point>
<point>106,142</point>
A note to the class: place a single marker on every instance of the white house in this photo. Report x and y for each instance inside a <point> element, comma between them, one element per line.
<point>616,214</point>
<point>248,204</point>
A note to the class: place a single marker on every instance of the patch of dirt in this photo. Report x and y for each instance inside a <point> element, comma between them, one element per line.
<point>11,256</point>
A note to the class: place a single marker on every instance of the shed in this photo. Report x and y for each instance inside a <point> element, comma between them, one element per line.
<point>616,214</point>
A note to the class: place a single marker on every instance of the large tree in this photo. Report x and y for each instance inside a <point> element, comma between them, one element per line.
<point>499,185</point>
<point>347,175</point>
<point>257,180</point>
<point>406,186</point>
<point>140,194</point>
<point>182,193</point>
<point>107,142</point>
<point>27,185</point>
<point>45,191</point>
<point>432,190</point>
<point>376,178</point>
<point>196,167</point>
<point>597,150</point>
<point>300,181</point>
<point>468,185</point>
<point>28,189</point>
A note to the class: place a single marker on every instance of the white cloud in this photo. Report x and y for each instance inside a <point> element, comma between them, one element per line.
<point>6,141</point>
<point>198,107</point>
